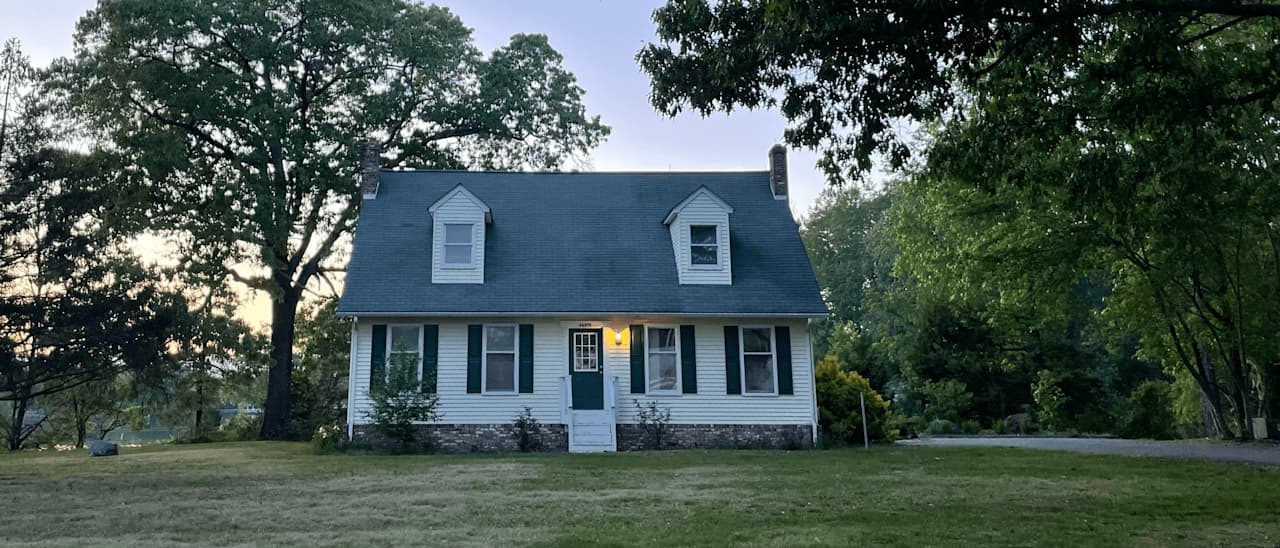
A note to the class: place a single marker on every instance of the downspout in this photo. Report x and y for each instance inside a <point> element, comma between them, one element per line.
<point>351,378</point>
<point>813,382</point>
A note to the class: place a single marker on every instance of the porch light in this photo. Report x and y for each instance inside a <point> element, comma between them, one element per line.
<point>617,337</point>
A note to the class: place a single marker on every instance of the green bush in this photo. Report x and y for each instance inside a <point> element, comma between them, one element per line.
<point>997,425</point>
<point>839,408</point>
<point>970,427</point>
<point>327,438</point>
<point>241,427</point>
<point>905,426</point>
<point>947,399</point>
<point>1149,413</point>
<point>940,427</point>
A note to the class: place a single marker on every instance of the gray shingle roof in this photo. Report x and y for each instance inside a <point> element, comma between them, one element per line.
<point>590,243</point>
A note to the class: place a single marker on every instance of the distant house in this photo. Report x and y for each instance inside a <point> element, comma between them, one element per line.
<point>579,295</point>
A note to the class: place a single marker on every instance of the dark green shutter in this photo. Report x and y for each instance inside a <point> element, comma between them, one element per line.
<point>784,359</point>
<point>378,358</point>
<point>474,334</point>
<point>637,359</point>
<point>430,357</point>
<point>526,358</point>
<point>732,369</point>
<point>688,360</point>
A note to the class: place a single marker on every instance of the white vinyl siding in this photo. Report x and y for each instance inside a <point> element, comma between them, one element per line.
<point>703,210</point>
<point>711,405</point>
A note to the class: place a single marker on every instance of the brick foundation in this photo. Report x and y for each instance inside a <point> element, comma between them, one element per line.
<point>632,437</point>
<point>465,438</point>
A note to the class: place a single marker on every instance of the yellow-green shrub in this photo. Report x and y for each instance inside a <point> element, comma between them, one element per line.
<point>839,412</point>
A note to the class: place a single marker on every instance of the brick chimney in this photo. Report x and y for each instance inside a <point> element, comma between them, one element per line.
<point>370,163</point>
<point>778,172</point>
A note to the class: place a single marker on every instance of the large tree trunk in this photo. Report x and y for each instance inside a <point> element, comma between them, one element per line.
<point>275,413</point>
<point>18,430</point>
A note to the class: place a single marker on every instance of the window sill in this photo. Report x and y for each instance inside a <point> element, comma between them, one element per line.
<point>500,394</point>
<point>706,267</point>
<point>663,394</point>
<point>457,267</point>
<point>759,395</point>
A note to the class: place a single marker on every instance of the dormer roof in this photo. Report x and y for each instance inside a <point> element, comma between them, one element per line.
<point>701,191</point>
<point>460,190</point>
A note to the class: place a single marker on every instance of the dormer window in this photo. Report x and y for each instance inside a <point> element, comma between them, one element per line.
<point>459,245</point>
<point>704,246</point>
<point>699,228</point>
<point>458,226</point>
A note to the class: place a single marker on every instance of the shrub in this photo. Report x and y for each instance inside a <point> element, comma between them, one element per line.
<point>528,431</point>
<point>327,438</point>
<point>970,427</point>
<point>398,403</point>
<point>946,399</point>
<point>241,427</point>
<point>839,409</point>
<point>940,426</point>
<point>1150,411</point>
<point>997,425</point>
<point>654,422</point>
<point>1051,400</point>
<point>898,425</point>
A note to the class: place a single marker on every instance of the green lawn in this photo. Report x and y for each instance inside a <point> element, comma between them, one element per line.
<point>275,493</point>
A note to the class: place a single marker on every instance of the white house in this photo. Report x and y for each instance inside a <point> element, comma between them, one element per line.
<point>580,295</point>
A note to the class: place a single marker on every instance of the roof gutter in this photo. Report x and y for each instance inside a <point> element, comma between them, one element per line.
<point>580,314</point>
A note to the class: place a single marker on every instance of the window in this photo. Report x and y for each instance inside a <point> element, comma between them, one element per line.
<point>663,360</point>
<point>704,245</point>
<point>404,354</point>
<point>459,245</point>
<point>586,352</point>
<point>758,364</point>
<point>500,359</point>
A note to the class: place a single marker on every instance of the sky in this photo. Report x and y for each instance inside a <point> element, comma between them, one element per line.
<point>599,40</point>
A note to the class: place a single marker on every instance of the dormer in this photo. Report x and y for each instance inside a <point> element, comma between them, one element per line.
<point>699,228</point>
<point>458,222</point>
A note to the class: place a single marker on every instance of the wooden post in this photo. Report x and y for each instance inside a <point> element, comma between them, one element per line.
<point>862,401</point>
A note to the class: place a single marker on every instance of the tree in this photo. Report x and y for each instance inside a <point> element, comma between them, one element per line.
<point>77,306</point>
<point>1061,141</point>
<point>97,407</point>
<point>221,355</point>
<point>320,381</point>
<point>849,75</point>
<point>242,122</point>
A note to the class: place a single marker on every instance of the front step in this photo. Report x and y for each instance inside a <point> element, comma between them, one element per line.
<point>592,432</point>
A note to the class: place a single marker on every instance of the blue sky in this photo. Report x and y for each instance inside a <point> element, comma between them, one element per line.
<point>599,40</point>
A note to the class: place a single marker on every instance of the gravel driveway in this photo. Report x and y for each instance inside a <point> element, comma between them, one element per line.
<point>1268,455</point>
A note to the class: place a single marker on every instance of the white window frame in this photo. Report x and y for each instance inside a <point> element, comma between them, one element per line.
<point>386,368</point>
<point>742,359</point>
<point>444,245</point>
<point>484,360</point>
<point>719,264</point>
<point>573,339</point>
<point>679,389</point>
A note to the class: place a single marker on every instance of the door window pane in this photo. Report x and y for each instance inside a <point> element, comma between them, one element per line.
<point>586,352</point>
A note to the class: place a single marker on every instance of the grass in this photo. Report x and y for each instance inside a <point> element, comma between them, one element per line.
<point>281,494</point>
